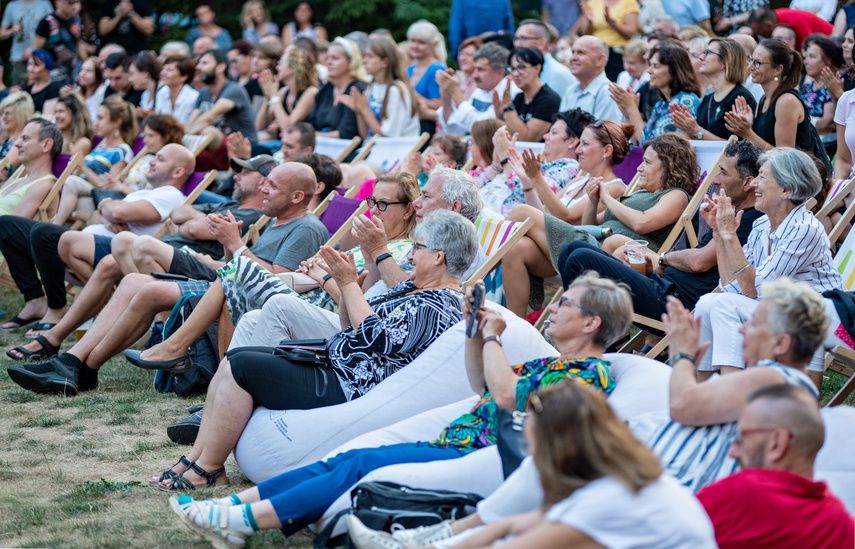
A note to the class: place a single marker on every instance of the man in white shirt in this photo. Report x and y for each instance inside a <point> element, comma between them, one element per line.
<point>457,115</point>
<point>533,33</point>
<point>591,92</point>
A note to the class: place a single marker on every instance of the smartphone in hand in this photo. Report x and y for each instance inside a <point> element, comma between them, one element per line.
<point>477,303</point>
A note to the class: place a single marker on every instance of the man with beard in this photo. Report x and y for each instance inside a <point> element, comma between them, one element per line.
<point>222,108</point>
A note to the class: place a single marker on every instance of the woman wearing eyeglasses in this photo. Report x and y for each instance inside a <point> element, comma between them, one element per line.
<point>596,312</point>
<point>529,113</point>
<point>723,63</point>
<point>249,286</point>
<point>780,119</point>
<point>368,341</point>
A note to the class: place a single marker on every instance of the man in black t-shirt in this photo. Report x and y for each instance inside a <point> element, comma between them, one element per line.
<point>60,34</point>
<point>685,274</point>
<point>116,72</point>
<point>127,23</point>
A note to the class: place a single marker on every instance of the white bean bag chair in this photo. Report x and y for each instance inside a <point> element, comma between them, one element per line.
<point>641,386</point>
<point>834,463</point>
<point>278,441</point>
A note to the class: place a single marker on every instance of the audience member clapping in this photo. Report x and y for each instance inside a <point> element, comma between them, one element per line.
<point>345,73</point>
<point>529,113</point>
<point>291,103</point>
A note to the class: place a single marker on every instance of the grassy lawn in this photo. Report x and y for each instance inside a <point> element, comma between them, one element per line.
<point>74,471</point>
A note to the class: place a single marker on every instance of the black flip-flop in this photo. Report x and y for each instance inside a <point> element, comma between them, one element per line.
<point>47,350</point>
<point>21,323</point>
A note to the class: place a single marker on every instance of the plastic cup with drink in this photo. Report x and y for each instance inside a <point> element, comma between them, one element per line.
<point>636,253</point>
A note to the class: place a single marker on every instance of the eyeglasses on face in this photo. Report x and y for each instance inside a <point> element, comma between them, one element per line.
<point>380,204</point>
<point>754,62</point>
<point>567,301</point>
<point>707,53</point>
<point>742,433</point>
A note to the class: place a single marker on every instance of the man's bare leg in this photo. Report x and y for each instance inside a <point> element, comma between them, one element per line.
<point>227,411</point>
<point>207,312</point>
<point>95,295</point>
<point>151,255</point>
<point>77,250</point>
<point>126,318</point>
<point>122,247</point>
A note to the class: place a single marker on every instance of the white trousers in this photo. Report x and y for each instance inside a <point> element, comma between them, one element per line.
<point>284,316</point>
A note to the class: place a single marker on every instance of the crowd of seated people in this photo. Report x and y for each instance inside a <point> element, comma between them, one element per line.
<point>598,151</point>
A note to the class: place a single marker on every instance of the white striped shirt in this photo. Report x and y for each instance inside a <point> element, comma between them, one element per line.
<point>698,456</point>
<point>798,248</point>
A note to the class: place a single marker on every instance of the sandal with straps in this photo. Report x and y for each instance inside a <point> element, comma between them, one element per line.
<point>216,533</point>
<point>47,350</point>
<point>180,484</point>
<point>169,474</point>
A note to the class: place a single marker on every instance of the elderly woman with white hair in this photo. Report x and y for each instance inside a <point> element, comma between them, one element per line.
<point>787,242</point>
<point>379,337</point>
<point>427,50</point>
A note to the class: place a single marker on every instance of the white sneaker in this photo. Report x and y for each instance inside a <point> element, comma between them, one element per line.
<point>364,537</point>
<point>423,535</point>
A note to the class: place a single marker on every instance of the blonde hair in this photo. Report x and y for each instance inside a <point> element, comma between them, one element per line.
<point>579,439</point>
<point>247,6</point>
<point>22,103</point>
<point>119,109</point>
<point>427,32</point>
<point>351,51</point>
<point>305,72</point>
<point>408,191</point>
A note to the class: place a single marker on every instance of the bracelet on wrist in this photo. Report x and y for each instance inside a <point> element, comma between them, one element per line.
<point>529,189</point>
<point>496,167</point>
<point>740,270</point>
<point>324,280</point>
<point>382,257</point>
<point>680,356</point>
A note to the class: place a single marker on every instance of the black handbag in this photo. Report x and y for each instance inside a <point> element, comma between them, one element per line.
<point>311,352</point>
<point>103,194</point>
<point>510,440</point>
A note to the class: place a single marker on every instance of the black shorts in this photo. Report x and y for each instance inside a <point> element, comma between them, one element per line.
<point>187,265</point>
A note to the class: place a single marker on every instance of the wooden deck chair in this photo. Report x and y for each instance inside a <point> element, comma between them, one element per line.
<point>339,211</point>
<point>255,230</point>
<point>844,257</point>
<point>194,186</point>
<point>366,148</point>
<point>496,237</point>
<point>540,325</point>
<point>388,152</point>
<point>339,149</point>
<point>841,189</point>
<point>844,365</point>
<point>197,142</point>
<point>127,169</point>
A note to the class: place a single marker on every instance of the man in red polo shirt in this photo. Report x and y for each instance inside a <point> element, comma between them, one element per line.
<point>764,20</point>
<point>774,501</point>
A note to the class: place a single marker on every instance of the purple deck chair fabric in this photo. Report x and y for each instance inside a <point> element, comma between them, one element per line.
<point>60,164</point>
<point>138,145</point>
<point>626,169</point>
<point>339,210</point>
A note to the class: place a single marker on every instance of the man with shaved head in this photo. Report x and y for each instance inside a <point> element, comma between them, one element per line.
<point>292,237</point>
<point>774,501</point>
<point>591,91</point>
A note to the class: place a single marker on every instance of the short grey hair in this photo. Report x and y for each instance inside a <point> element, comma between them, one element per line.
<point>458,186</point>
<point>797,310</point>
<point>793,171</point>
<point>609,300</point>
<point>449,232</point>
<point>496,55</point>
<point>176,48</point>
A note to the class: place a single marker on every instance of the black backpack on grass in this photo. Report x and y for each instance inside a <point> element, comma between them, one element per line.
<point>204,354</point>
<point>381,504</point>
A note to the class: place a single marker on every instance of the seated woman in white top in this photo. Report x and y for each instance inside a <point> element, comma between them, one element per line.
<point>601,487</point>
<point>388,107</point>
<point>176,97</point>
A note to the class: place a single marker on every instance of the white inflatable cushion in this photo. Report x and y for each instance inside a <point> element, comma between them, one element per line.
<point>834,463</point>
<point>278,441</point>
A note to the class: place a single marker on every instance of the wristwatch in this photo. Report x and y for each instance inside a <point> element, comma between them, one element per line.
<point>495,338</point>
<point>662,259</point>
<point>510,107</point>
<point>680,356</point>
<point>239,251</point>
<point>700,134</point>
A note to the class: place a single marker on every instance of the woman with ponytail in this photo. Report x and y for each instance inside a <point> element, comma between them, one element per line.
<point>116,124</point>
<point>781,119</point>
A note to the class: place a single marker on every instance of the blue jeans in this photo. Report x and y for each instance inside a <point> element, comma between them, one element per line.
<point>301,496</point>
<point>209,197</point>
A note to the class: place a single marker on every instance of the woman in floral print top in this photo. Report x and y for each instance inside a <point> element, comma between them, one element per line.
<point>671,73</point>
<point>593,313</point>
